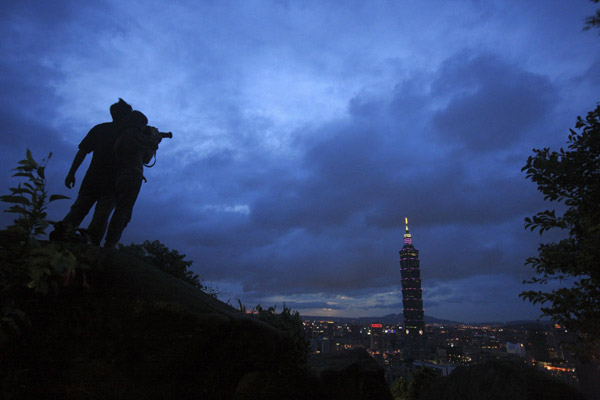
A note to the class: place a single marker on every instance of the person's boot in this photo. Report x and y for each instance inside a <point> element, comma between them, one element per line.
<point>59,234</point>
<point>83,236</point>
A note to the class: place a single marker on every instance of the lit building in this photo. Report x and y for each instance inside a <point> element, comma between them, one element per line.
<point>376,337</point>
<point>515,348</point>
<point>412,299</point>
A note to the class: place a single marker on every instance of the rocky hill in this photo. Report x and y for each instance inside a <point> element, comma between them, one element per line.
<point>132,331</point>
<point>499,380</point>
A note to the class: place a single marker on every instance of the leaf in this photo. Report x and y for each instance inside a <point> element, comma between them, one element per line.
<point>24,174</point>
<point>21,190</point>
<point>15,199</point>
<point>29,156</point>
<point>42,172</point>
<point>55,197</point>
<point>17,209</point>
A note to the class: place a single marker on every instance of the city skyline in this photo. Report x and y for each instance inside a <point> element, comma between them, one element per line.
<point>305,132</point>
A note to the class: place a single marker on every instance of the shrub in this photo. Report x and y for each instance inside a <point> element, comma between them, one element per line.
<point>26,264</point>
<point>169,261</point>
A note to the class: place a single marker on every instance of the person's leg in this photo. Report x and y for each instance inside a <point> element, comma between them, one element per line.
<point>97,227</point>
<point>79,209</point>
<point>65,229</point>
<point>128,188</point>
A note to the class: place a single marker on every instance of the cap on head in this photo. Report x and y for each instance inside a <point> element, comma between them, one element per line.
<point>120,110</point>
<point>137,119</point>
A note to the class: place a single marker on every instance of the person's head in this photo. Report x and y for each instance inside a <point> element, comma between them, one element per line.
<point>136,119</point>
<point>120,110</point>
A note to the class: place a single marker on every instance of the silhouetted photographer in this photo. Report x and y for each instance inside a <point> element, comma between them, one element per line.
<point>98,185</point>
<point>134,149</point>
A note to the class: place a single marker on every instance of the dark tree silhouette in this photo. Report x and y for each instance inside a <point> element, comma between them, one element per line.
<point>571,177</point>
<point>594,20</point>
<point>170,261</point>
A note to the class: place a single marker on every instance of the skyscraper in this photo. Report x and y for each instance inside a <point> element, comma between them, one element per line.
<point>412,299</point>
<point>376,337</point>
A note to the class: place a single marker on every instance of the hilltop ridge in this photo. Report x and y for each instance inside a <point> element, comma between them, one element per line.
<point>134,331</point>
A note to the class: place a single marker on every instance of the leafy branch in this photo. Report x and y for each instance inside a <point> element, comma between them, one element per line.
<point>290,323</point>
<point>30,199</point>
<point>28,266</point>
<point>570,176</point>
<point>170,261</point>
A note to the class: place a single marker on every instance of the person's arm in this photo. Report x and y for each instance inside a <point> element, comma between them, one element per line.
<point>70,179</point>
<point>147,157</point>
<point>150,144</point>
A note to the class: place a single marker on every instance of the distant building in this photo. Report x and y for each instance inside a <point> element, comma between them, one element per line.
<point>327,344</point>
<point>443,369</point>
<point>562,341</point>
<point>515,348</point>
<point>377,337</point>
<point>537,344</point>
<point>412,299</point>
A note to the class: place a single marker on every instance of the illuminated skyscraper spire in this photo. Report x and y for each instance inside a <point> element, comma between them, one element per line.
<point>412,299</point>
<point>407,235</point>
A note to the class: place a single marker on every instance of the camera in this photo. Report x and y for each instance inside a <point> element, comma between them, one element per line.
<point>156,134</point>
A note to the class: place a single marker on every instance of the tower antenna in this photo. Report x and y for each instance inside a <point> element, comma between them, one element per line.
<point>407,235</point>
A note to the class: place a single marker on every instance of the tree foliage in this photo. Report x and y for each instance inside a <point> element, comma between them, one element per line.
<point>498,379</point>
<point>570,177</point>
<point>411,389</point>
<point>28,265</point>
<point>169,261</point>
<point>30,199</point>
<point>290,323</point>
<point>594,20</point>
<point>399,389</point>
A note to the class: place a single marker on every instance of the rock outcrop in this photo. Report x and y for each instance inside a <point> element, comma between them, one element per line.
<point>140,333</point>
<point>499,380</point>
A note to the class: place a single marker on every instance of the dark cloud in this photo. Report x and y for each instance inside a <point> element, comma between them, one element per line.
<point>397,306</point>
<point>302,141</point>
<point>340,178</point>
<point>364,168</point>
<point>26,120</point>
<point>592,74</point>
<point>300,305</point>
<point>27,110</point>
<point>32,12</point>
<point>490,103</point>
<point>328,222</point>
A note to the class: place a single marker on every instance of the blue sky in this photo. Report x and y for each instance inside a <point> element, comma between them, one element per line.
<point>306,131</point>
